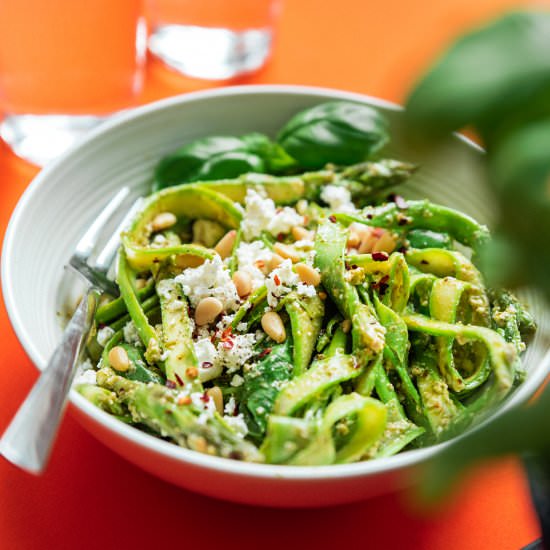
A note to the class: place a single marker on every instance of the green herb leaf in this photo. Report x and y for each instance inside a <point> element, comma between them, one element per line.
<point>338,132</point>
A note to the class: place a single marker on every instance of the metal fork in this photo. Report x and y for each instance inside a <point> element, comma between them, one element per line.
<point>29,437</point>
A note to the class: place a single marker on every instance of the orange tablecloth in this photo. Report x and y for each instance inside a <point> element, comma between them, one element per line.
<point>90,498</point>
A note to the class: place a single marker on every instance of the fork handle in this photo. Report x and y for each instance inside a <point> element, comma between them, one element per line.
<point>28,439</point>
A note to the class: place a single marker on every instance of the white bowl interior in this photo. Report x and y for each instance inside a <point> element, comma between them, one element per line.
<point>66,196</point>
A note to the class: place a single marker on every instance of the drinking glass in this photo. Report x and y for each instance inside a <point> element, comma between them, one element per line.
<point>64,66</point>
<point>212,39</point>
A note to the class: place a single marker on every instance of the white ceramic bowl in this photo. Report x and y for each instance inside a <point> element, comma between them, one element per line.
<point>64,198</point>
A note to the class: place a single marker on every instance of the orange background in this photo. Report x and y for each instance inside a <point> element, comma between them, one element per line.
<point>90,498</point>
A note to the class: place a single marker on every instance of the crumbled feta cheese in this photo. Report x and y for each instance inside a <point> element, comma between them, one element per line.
<point>206,405</point>
<point>242,327</point>
<point>285,219</point>
<point>86,365</point>
<point>237,381</point>
<point>250,256</point>
<point>283,280</point>
<point>280,282</point>
<point>236,351</point>
<point>209,279</point>
<point>208,359</point>
<point>224,322</point>
<point>261,214</point>
<point>86,376</point>
<point>230,407</point>
<point>338,199</point>
<point>131,335</point>
<point>306,290</point>
<point>238,424</point>
<point>259,211</point>
<point>159,241</point>
<point>104,335</point>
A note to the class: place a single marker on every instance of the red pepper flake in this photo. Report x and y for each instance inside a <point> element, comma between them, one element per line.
<point>280,236</point>
<point>380,256</point>
<point>184,400</point>
<point>369,216</point>
<point>276,279</point>
<point>332,218</point>
<point>265,352</point>
<point>402,249</point>
<point>205,397</point>
<point>180,381</point>
<point>170,384</point>
<point>227,344</point>
<point>227,333</point>
<point>306,220</point>
<point>207,365</point>
<point>260,264</point>
<point>213,338</point>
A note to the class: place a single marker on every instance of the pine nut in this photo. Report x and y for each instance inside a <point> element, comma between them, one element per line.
<point>243,283</point>
<point>368,240</point>
<point>188,260</point>
<point>225,245</point>
<point>197,443</point>
<point>275,261</point>
<point>346,325</point>
<point>308,274</point>
<point>207,310</point>
<point>323,295</point>
<point>301,233</point>
<point>262,266</point>
<point>386,243</point>
<point>353,239</point>
<point>118,359</point>
<point>360,228</point>
<point>273,326</point>
<point>286,251</point>
<point>216,395</point>
<point>163,221</point>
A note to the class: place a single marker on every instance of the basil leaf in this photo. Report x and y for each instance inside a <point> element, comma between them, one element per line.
<point>338,132</point>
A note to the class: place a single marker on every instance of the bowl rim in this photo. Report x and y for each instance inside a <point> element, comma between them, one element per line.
<point>170,450</point>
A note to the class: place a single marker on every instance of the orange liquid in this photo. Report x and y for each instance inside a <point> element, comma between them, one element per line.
<point>229,14</point>
<point>68,56</point>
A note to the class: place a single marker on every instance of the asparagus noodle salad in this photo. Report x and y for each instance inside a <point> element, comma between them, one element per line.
<point>279,304</point>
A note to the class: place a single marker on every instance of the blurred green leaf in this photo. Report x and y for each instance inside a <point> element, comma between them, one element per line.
<point>497,80</point>
<point>515,431</point>
<point>493,78</point>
